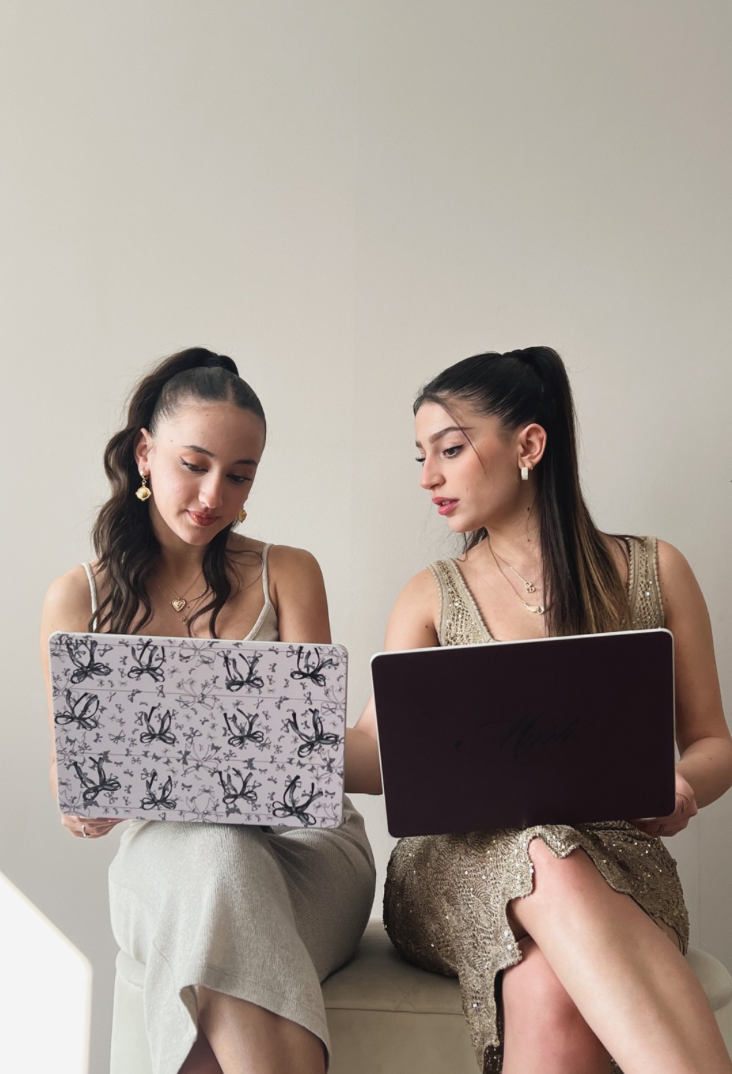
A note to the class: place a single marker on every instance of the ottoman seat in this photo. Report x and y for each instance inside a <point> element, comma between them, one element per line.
<point>384,1015</point>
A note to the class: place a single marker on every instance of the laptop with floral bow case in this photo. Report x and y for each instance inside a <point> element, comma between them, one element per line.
<point>191,729</point>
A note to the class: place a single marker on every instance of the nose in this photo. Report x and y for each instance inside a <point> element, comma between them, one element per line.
<point>210,494</point>
<point>431,477</point>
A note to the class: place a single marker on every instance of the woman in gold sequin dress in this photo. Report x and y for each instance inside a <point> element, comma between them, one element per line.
<point>567,941</point>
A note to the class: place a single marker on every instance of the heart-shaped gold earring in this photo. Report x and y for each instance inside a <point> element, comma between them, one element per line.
<point>241,517</point>
<point>143,493</point>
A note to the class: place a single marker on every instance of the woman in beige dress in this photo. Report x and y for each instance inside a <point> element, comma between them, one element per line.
<point>568,941</point>
<point>236,925</point>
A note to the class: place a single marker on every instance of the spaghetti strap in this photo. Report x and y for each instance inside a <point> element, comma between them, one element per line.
<point>265,576</point>
<point>92,590</point>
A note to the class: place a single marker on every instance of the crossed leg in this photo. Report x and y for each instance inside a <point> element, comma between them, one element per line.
<point>544,1030</point>
<point>237,1037</point>
<point>596,952</point>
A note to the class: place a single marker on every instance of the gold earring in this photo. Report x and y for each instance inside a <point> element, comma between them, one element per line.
<point>143,493</point>
<point>241,517</point>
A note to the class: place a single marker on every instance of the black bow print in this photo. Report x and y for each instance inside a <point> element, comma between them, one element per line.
<point>239,735</point>
<point>313,742</point>
<point>243,793</point>
<point>307,668</point>
<point>81,711</point>
<point>93,789</point>
<point>80,649</point>
<point>158,799</point>
<point>160,734</point>
<point>148,661</point>
<point>234,680</point>
<point>291,807</point>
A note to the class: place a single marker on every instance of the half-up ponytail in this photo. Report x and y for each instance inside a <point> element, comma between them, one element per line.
<point>123,536</point>
<point>582,586</point>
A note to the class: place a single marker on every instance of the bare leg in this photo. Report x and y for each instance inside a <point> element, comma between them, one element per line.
<point>544,1031</point>
<point>201,1060</point>
<point>631,985</point>
<point>247,1039</point>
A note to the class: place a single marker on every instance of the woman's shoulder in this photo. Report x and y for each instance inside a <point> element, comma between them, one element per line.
<point>67,605</point>
<point>286,567</point>
<point>673,574</point>
<point>278,555</point>
<point>676,578</point>
<point>670,557</point>
<point>421,591</point>
<point>670,561</point>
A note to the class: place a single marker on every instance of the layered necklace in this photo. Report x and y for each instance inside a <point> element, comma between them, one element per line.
<point>178,603</point>
<point>536,609</point>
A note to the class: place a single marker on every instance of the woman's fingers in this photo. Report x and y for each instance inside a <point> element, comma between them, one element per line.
<point>686,808</point>
<point>87,827</point>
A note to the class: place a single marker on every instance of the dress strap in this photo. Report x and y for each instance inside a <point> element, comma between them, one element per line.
<point>265,575</point>
<point>92,591</point>
<point>460,620</point>
<point>644,588</point>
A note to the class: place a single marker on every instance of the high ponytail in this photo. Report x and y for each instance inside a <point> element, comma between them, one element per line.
<point>583,589</point>
<point>123,536</point>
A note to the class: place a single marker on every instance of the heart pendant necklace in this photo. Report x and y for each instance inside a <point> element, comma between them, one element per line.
<point>179,603</point>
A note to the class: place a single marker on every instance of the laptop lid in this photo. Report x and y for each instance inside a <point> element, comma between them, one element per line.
<point>507,735</point>
<point>193,729</point>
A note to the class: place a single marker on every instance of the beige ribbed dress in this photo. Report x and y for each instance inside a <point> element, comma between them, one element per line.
<point>261,914</point>
<point>446,895</point>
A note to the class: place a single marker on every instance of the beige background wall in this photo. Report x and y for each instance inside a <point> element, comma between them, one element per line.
<point>346,197</point>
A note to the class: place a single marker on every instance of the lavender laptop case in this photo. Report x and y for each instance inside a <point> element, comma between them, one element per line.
<point>193,729</point>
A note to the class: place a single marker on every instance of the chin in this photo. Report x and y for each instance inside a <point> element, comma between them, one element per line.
<point>464,526</point>
<point>458,525</point>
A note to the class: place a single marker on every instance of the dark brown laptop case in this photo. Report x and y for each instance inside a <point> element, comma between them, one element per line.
<point>512,734</point>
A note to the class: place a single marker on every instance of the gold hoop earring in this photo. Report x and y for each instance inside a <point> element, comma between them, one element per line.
<point>143,493</point>
<point>241,517</point>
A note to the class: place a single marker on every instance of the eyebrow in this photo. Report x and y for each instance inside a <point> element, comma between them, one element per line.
<point>205,451</point>
<point>443,432</point>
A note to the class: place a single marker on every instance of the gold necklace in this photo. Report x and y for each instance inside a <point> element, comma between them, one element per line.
<point>177,602</point>
<point>190,604</point>
<point>536,609</point>
<point>529,586</point>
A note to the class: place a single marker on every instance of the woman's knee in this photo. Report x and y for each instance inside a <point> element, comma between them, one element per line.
<point>532,984</point>
<point>534,996</point>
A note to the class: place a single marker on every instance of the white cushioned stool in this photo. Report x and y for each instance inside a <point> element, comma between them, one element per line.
<point>384,1015</point>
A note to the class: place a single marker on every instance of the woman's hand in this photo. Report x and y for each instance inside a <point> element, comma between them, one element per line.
<point>686,808</point>
<point>86,827</point>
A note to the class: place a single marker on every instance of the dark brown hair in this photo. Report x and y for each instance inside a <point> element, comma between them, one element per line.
<point>582,587</point>
<point>123,536</point>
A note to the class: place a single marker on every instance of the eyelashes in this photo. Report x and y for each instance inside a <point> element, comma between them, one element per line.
<point>238,479</point>
<point>447,453</point>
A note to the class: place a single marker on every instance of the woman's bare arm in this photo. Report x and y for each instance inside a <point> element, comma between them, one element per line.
<point>704,771</point>
<point>411,626</point>
<point>298,593</point>
<point>68,607</point>
<point>703,737</point>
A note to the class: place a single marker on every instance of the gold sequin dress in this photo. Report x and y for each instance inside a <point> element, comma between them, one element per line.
<point>446,895</point>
